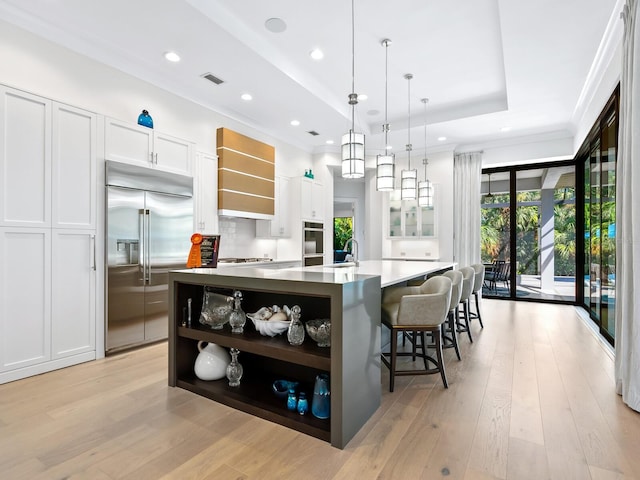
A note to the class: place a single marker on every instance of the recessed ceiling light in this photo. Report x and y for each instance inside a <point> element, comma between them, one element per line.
<point>316,54</point>
<point>246,96</point>
<point>362,97</point>
<point>172,56</point>
<point>275,25</point>
<point>329,142</point>
<point>388,147</point>
<point>295,123</point>
<point>505,129</point>
<point>442,139</point>
<point>373,112</point>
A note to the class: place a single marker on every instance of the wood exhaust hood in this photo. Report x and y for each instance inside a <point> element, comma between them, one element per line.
<point>246,176</point>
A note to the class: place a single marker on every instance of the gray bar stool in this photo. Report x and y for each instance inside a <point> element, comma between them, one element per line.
<point>450,335</point>
<point>477,288</point>
<point>416,309</point>
<point>468,279</point>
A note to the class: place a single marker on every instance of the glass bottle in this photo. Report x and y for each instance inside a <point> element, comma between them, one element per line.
<point>303,404</point>
<point>292,401</point>
<point>237,317</point>
<point>234,369</point>
<point>295,333</point>
<point>321,401</point>
<point>145,119</point>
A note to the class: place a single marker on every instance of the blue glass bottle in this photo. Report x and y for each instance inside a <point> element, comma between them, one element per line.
<point>145,119</point>
<point>303,404</point>
<point>321,401</point>
<point>292,401</point>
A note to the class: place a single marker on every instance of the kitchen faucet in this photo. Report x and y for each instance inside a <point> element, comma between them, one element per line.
<point>354,254</point>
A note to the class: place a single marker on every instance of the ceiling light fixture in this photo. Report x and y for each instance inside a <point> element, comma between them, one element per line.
<point>425,188</point>
<point>489,196</point>
<point>352,142</point>
<point>408,177</point>
<point>385,163</point>
<point>442,139</point>
<point>246,97</point>
<point>172,56</point>
<point>295,123</point>
<point>316,54</point>
<point>362,97</point>
<point>329,142</point>
<point>275,25</point>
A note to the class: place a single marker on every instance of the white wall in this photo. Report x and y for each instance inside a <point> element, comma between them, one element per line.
<point>35,65</point>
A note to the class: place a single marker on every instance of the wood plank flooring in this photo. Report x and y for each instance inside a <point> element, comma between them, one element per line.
<point>532,398</point>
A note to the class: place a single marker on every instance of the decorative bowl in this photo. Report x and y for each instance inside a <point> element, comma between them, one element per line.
<point>269,327</point>
<point>320,331</point>
<point>215,309</point>
<point>281,387</point>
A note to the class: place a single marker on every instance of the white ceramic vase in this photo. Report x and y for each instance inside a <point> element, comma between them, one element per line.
<point>212,362</point>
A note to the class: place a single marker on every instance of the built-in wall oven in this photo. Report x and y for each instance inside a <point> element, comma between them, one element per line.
<point>313,244</point>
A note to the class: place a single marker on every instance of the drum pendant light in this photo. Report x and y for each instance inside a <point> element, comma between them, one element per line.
<point>385,163</point>
<point>352,142</point>
<point>408,177</point>
<point>425,188</point>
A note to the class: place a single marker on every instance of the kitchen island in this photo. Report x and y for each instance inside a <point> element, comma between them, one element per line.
<point>347,295</point>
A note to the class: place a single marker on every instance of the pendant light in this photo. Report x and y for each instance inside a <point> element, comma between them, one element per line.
<point>489,196</point>
<point>385,163</point>
<point>409,177</point>
<point>425,188</point>
<point>352,142</point>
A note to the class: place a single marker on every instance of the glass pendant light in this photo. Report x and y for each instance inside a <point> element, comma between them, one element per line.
<point>425,188</point>
<point>385,163</point>
<point>409,177</point>
<point>352,142</point>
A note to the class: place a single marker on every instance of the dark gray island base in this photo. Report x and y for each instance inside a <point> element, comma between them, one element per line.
<point>352,302</point>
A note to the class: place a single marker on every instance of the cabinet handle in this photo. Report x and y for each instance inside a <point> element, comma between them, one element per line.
<point>156,158</point>
<point>93,242</point>
<point>151,158</point>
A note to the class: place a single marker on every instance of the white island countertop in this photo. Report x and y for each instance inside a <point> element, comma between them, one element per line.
<point>391,272</point>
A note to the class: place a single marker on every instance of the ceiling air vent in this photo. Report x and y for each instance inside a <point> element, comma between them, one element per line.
<point>313,132</point>
<point>213,78</point>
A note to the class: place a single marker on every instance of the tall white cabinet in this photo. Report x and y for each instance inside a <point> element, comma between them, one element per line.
<point>48,217</point>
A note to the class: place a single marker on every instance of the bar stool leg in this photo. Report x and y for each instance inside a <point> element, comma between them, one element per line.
<point>394,351</point>
<point>443,374</point>
<point>475,294</point>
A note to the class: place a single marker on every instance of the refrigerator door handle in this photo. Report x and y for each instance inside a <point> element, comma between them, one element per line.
<point>143,246</point>
<point>147,260</point>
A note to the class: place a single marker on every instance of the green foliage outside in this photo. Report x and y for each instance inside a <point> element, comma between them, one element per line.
<point>495,231</point>
<point>342,231</point>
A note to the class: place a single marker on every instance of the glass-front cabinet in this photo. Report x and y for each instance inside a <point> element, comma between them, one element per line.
<point>408,220</point>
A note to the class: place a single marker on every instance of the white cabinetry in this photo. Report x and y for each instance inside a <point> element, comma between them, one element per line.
<point>206,193</point>
<point>25,159</point>
<point>73,293</point>
<point>280,225</point>
<point>47,235</point>
<point>311,199</point>
<point>131,143</point>
<point>409,220</point>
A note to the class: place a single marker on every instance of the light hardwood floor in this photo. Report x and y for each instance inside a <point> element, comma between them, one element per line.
<point>532,398</point>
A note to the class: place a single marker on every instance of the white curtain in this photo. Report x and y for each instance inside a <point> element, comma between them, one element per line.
<point>628,217</point>
<point>467,171</point>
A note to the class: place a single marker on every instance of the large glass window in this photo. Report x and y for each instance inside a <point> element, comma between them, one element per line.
<point>598,159</point>
<point>536,259</point>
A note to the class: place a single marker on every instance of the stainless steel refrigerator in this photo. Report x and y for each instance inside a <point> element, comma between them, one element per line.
<point>149,226</point>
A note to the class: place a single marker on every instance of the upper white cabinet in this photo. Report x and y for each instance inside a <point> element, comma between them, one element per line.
<point>311,199</point>
<point>25,159</point>
<point>206,193</point>
<point>280,225</point>
<point>74,175</point>
<point>409,220</point>
<point>132,143</point>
